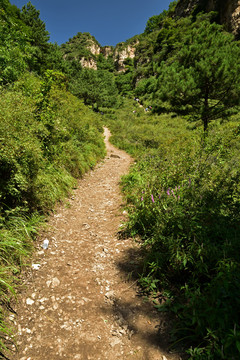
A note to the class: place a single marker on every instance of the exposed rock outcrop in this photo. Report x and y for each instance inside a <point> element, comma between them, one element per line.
<point>122,52</point>
<point>85,49</point>
<point>93,47</point>
<point>88,63</point>
<point>107,51</point>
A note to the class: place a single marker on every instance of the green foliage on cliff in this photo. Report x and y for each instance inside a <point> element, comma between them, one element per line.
<point>80,46</point>
<point>155,22</point>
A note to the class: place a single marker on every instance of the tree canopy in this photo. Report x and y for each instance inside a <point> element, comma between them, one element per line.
<point>203,76</point>
<point>97,88</point>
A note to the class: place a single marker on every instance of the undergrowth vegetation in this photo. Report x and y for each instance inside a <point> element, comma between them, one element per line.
<point>183,199</point>
<point>183,192</point>
<point>49,138</point>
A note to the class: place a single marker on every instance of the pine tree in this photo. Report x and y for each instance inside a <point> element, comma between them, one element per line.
<point>38,37</point>
<point>203,76</point>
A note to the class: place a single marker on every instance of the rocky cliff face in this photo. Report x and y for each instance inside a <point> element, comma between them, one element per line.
<point>94,49</point>
<point>88,63</point>
<point>107,51</point>
<point>122,52</point>
<point>228,11</point>
<point>85,48</point>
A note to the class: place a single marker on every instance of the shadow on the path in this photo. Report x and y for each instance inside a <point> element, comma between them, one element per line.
<point>134,310</point>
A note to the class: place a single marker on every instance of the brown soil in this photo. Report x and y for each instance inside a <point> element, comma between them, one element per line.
<point>83,301</point>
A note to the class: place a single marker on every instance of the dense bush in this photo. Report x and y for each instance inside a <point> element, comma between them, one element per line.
<point>48,138</point>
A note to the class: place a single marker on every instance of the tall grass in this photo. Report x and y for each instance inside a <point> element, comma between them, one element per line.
<point>184,202</point>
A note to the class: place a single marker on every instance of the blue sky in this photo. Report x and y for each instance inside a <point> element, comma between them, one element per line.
<point>109,21</point>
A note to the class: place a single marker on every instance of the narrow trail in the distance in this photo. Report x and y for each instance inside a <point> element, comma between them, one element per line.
<point>80,300</point>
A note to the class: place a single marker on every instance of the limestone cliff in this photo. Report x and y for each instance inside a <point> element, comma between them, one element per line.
<point>228,11</point>
<point>84,48</point>
<point>107,51</point>
<point>88,63</point>
<point>122,52</point>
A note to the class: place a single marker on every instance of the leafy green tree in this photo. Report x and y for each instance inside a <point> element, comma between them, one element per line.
<point>170,37</point>
<point>14,46</point>
<point>124,83</point>
<point>105,63</point>
<point>155,22</point>
<point>95,87</point>
<point>124,80</point>
<point>203,76</point>
<point>38,37</point>
<point>54,59</point>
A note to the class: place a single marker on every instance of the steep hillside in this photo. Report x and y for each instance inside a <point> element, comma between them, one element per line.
<point>228,11</point>
<point>83,48</point>
<point>86,50</point>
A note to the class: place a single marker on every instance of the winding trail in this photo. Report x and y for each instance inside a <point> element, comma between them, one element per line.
<point>82,302</point>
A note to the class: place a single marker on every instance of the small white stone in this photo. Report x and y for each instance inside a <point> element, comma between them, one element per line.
<point>55,282</point>
<point>29,301</point>
<point>36,266</point>
<point>115,342</point>
<point>45,244</point>
<point>55,306</point>
<point>43,299</point>
<point>110,294</point>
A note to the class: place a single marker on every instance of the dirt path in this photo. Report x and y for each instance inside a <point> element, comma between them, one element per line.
<point>82,302</point>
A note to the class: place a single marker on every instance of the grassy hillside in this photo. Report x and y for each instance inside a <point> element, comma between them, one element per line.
<point>183,199</point>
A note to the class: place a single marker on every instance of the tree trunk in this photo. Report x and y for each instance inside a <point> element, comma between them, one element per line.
<point>205,117</point>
